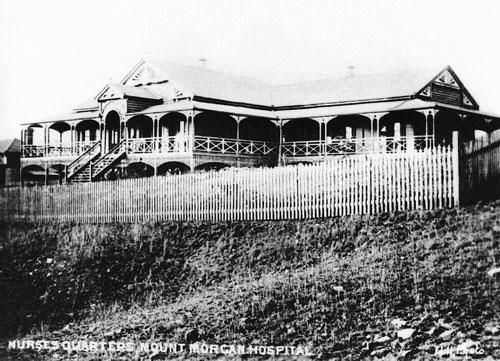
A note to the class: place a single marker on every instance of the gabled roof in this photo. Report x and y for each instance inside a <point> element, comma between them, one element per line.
<point>197,81</point>
<point>10,146</point>
<point>448,78</point>
<point>170,81</point>
<point>161,83</point>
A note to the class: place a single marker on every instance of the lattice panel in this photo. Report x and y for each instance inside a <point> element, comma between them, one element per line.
<point>167,90</point>
<point>467,101</point>
<point>110,93</point>
<point>426,92</point>
<point>447,79</point>
<point>144,75</point>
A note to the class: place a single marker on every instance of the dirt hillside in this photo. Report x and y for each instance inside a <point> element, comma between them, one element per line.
<point>394,286</point>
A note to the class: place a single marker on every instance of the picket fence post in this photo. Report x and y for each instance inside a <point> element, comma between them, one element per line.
<point>456,174</point>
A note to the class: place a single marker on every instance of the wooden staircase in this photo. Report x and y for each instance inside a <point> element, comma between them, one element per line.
<point>79,169</point>
<point>98,168</point>
<point>90,167</point>
<point>83,175</point>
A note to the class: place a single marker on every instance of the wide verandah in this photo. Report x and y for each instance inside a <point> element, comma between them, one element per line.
<point>400,130</point>
<point>231,136</point>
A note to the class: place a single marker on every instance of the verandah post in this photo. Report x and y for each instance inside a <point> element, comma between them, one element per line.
<point>455,164</point>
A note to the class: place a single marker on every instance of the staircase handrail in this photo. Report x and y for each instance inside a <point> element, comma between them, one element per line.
<point>83,159</point>
<point>115,150</point>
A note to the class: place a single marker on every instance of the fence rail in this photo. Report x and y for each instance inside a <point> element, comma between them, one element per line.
<point>480,165</point>
<point>357,184</point>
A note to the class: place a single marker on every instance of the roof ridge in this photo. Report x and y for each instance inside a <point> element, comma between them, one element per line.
<point>208,70</point>
<point>377,73</point>
<point>408,70</point>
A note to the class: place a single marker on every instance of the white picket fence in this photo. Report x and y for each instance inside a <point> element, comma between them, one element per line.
<point>362,184</point>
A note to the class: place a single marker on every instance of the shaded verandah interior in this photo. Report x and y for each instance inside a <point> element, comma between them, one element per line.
<point>388,132</point>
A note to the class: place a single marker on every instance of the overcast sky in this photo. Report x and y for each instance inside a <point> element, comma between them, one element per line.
<point>55,54</point>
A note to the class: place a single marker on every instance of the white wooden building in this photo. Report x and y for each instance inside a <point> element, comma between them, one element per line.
<point>167,118</point>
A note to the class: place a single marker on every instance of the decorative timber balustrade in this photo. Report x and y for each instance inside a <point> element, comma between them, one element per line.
<point>57,150</point>
<point>234,146</point>
<point>339,146</point>
<point>108,160</point>
<point>83,160</point>
<point>217,145</point>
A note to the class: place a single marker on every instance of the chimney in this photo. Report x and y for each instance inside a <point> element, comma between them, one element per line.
<point>350,71</point>
<point>202,62</point>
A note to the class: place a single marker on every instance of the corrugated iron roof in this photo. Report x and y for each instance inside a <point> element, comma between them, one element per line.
<point>356,108</point>
<point>354,88</point>
<point>69,116</point>
<point>230,87</point>
<point>214,84</point>
<point>344,95</point>
<point>89,104</point>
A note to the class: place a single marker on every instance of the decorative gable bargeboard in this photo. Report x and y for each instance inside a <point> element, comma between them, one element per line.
<point>446,88</point>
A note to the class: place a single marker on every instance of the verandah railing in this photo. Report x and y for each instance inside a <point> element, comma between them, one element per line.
<point>203,144</point>
<point>57,150</point>
<point>174,144</point>
<point>358,184</point>
<point>234,146</point>
<point>338,146</point>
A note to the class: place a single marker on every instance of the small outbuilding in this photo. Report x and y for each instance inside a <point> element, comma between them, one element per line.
<point>10,156</point>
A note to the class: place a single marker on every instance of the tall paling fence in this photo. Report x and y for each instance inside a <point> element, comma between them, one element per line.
<point>480,167</point>
<point>347,185</point>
